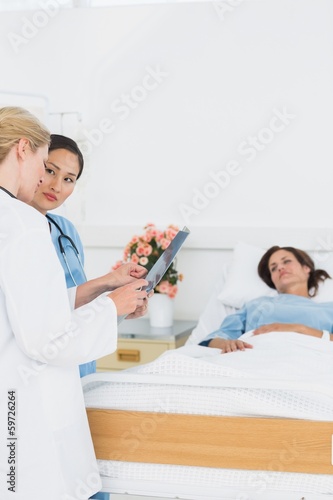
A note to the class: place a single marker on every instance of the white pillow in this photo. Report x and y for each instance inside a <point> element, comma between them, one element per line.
<point>214,313</point>
<point>325,291</point>
<point>243,282</point>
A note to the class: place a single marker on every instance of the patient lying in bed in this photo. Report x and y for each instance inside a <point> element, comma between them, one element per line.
<point>283,348</point>
<point>287,372</point>
<point>292,273</point>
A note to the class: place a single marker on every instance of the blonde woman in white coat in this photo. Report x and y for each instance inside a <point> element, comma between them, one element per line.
<point>45,445</point>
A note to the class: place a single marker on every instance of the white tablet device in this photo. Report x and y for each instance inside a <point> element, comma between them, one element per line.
<point>165,259</point>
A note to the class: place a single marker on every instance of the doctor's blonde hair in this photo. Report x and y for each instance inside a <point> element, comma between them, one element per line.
<point>17,123</point>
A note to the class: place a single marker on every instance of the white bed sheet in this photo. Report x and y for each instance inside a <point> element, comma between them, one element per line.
<point>285,375</point>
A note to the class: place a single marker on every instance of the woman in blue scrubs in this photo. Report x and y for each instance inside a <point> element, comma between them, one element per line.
<point>62,169</point>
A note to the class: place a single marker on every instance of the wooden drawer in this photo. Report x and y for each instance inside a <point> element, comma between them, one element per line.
<point>131,353</point>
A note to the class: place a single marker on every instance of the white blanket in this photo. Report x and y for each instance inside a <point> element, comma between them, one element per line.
<point>279,356</point>
<point>286,374</point>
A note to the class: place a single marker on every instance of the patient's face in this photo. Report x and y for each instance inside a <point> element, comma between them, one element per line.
<point>287,273</point>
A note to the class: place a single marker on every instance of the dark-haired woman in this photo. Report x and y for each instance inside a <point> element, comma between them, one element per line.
<point>63,168</point>
<point>292,273</point>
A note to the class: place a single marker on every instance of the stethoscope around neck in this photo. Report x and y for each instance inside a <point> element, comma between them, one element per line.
<point>62,238</point>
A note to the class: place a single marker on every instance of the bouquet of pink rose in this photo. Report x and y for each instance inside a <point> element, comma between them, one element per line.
<point>146,249</point>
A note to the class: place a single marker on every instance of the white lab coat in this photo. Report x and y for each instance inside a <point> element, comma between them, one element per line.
<point>41,344</point>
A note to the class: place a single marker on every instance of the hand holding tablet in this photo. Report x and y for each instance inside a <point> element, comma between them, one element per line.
<point>163,263</point>
<point>165,259</point>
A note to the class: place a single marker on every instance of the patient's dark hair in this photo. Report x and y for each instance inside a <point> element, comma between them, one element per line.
<point>315,275</point>
<point>63,142</point>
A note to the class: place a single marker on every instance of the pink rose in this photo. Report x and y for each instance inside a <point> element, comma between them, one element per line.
<point>163,287</point>
<point>164,243</point>
<point>147,250</point>
<point>159,235</point>
<point>135,258</point>
<point>140,250</point>
<point>147,237</point>
<point>171,233</point>
<point>173,291</point>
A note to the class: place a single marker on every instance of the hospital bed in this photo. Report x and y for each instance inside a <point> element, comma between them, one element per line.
<point>187,426</point>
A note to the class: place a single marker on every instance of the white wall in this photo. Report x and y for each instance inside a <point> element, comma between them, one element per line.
<point>223,76</point>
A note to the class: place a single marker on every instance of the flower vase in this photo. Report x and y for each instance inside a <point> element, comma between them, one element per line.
<point>161,310</point>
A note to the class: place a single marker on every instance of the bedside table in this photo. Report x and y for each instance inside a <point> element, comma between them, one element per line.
<point>139,343</point>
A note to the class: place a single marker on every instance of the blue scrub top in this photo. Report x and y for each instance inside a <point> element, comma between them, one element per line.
<point>69,230</point>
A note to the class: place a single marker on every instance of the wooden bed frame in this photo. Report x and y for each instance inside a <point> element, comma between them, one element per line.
<point>265,444</point>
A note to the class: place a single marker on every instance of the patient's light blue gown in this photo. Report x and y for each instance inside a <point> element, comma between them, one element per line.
<point>283,308</point>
